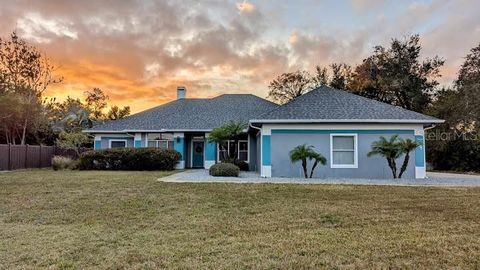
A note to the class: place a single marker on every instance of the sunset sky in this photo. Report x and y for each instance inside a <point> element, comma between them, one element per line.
<point>139,51</point>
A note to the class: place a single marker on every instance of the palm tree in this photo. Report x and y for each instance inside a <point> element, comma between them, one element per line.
<point>303,153</point>
<point>229,131</point>
<point>390,149</point>
<point>407,146</point>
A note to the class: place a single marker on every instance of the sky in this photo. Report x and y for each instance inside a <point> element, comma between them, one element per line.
<point>138,52</point>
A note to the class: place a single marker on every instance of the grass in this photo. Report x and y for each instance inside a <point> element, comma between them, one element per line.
<point>72,219</point>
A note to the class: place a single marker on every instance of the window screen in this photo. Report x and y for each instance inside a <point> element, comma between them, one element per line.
<point>160,140</point>
<point>343,150</point>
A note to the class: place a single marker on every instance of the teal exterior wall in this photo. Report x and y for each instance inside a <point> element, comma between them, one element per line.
<point>266,150</point>
<point>357,131</point>
<point>138,144</point>
<point>179,146</point>
<point>420,152</point>
<point>210,150</point>
<point>97,145</point>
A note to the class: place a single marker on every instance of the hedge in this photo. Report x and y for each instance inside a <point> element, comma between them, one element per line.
<point>224,169</point>
<point>129,159</point>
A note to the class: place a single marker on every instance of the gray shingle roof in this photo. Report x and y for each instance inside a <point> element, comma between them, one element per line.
<point>326,104</point>
<point>193,114</point>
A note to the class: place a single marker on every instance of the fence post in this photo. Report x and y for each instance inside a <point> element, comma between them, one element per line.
<point>25,163</point>
<point>9,156</point>
<point>40,156</point>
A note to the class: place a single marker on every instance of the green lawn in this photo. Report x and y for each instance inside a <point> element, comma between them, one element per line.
<point>72,219</point>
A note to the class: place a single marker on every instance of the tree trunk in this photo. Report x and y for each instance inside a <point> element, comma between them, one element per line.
<point>235,154</point>
<point>24,131</point>
<point>313,168</point>
<point>304,166</point>
<point>405,164</point>
<point>391,164</point>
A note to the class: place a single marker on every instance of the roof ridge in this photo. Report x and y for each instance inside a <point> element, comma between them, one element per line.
<point>377,101</point>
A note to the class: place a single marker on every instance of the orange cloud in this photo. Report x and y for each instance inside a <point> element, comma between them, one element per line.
<point>245,6</point>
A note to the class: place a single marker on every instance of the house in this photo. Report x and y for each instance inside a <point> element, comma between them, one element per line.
<point>340,125</point>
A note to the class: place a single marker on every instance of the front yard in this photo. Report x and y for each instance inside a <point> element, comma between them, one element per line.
<point>79,219</point>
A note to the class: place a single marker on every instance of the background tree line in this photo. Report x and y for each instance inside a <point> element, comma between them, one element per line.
<point>397,75</point>
<point>26,116</point>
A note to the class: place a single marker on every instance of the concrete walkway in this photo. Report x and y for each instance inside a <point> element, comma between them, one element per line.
<point>434,179</point>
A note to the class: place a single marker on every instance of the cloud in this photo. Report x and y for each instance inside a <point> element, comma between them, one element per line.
<point>139,51</point>
<point>245,7</point>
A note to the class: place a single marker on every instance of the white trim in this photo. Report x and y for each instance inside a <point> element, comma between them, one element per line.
<point>355,151</point>
<point>145,130</point>
<point>405,121</point>
<point>116,140</point>
<point>267,128</point>
<point>180,165</point>
<point>266,171</point>
<point>209,163</point>
<point>420,172</point>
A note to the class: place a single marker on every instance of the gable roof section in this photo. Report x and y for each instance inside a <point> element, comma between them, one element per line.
<point>329,105</point>
<point>191,114</point>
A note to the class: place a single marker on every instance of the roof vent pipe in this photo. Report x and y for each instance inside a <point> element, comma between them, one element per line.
<point>181,92</point>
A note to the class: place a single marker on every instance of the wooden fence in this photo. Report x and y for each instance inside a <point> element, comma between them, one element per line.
<point>14,157</point>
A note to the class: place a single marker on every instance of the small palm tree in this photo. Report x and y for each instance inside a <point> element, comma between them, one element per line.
<point>390,149</point>
<point>303,153</point>
<point>407,146</point>
<point>229,131</point>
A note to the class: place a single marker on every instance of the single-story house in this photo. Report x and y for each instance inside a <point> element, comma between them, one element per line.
<point>340,125</point>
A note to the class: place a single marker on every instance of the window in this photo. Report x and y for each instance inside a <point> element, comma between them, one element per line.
<point>230,147</point>
<point>243,150</point>
<point>117,143</point>
<point>343,152</point>
<point>160,140</point>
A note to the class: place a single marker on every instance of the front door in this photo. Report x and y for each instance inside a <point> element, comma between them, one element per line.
<point>197,157</point>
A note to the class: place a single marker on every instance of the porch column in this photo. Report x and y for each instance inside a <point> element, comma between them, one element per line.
<point>179,146</point>
<point>420,163</point>
<point>138,140</point>
<point>97,145</point>
<point>265,145</point>
<point>210,152</point>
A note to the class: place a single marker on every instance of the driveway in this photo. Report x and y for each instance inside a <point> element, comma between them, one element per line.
<point>434,179</point>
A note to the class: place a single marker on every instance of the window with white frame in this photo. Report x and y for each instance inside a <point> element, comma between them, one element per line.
<point>117,143</point>
<point>343,150</point>
<point>243,150</point>
<point>230,146</point>
<point>160,140</point>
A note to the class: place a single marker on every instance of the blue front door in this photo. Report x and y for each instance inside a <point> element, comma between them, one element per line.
<point>197,156</point>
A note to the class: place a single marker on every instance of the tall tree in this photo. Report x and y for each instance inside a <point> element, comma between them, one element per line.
<point>458,148</point>
<point>289,86</point>
<point>116,113</point>
<point>399,75</point>
<point>96,101</point>
<point>321,77</point>
<point>341,75</point>
<point>25,73</point>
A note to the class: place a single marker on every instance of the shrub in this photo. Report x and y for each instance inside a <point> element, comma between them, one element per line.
<point>239,163</point>
<point>129,159</point>
<point>242,165</point>
<point>224,169</point>
<point>62,163</point>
